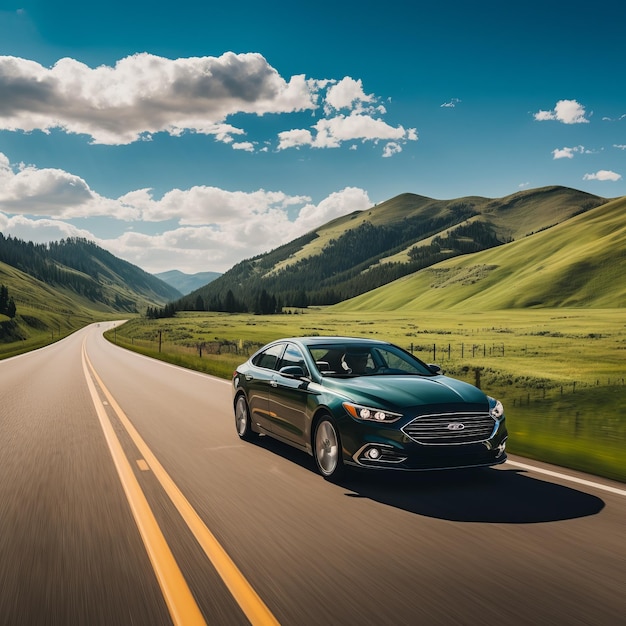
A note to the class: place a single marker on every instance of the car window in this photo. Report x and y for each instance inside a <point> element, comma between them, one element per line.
<point>365,360</point>
<point>293,357</point>
<point>269,358</point>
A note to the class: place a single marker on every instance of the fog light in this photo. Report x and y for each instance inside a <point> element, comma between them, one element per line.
<point>373,453</point>
<point>501,448</point>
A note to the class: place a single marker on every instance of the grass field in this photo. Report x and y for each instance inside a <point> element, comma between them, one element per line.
<point>559,372</point>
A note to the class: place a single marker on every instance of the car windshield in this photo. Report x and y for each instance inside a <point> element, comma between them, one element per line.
<point>352,359</point>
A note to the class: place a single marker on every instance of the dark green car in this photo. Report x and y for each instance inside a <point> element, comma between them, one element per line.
<point>365,403</point>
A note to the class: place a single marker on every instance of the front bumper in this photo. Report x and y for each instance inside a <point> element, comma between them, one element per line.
<point>376,447</point>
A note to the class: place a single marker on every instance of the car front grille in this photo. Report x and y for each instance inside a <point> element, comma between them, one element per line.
<point>451,428</point>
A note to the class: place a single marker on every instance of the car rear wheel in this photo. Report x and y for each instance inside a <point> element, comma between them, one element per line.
<point>242,420</point>
<point>327,449</point>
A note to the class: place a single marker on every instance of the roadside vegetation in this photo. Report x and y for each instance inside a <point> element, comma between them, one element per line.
<point>559,372</point>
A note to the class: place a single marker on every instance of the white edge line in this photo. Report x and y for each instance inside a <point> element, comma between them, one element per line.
<point>573,479</point>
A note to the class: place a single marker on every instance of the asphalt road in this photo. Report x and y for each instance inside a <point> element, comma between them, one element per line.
<point>126,497</point>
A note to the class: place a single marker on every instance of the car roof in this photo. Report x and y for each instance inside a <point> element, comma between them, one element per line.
<point>317,340</point>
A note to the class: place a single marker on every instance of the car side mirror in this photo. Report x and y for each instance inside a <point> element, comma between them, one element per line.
<point>292,371</point>
<point>435,369</point>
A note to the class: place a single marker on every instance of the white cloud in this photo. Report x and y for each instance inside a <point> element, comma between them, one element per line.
<point>41,230</point>
<point>614,119</point>
<point>294,139</point>
<point>451,104</point>
<point>568,153</point>
<point>335,205</point>
<point>202,205</point>
<point>53,193</point>
<point>603,175</point>
<point>215,228</point>
<point>217,247</point>
<point>332,132</point>
<point>563,153</point>
<point>247,146</point>
<point>565,111</point>
<point>346,94</point>
<point>391,148</point>
<point>619,146</point>
<point>145,94</point>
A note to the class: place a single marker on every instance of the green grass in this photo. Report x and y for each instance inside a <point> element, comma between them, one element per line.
<point>559,372</point>
<point>579,263</point>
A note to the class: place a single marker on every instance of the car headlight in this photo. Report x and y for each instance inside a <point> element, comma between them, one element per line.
<point>496,410</point>
<point>370,414</point>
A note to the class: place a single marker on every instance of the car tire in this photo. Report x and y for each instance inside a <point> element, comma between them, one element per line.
<point>242,420</point>
<point>327,449</point>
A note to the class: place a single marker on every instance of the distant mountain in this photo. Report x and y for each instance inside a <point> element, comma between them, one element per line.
<point>580,262</point>
<point>79,269</point>
<point>357,253</point>
<point>186,283</point>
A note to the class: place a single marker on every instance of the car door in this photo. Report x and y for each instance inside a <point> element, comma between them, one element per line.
<point>288,399</point>
<point>258,380</point>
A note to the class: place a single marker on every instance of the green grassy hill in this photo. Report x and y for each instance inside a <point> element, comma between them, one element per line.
<point>359,252</point>
<point>60,287</point>
<point>578,263</point>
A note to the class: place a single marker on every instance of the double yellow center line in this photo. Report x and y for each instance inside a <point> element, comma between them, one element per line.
<point>180,601</point>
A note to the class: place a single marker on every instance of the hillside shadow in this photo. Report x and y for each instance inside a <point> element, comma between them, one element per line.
<point>488,495</point>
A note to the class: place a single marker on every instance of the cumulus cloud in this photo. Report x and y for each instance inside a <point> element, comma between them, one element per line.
<point>213,228</point>
<point>565,111</point>
<point>40,230</point>
<point>53,193</point>
<point>145,94</point>
<point>333,132</point>
<point>451,104</point>
<point>218,246</point>
<point>603,175</point>
<point>346,94</point>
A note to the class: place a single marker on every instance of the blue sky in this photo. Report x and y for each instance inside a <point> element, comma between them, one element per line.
<point>191,135</point>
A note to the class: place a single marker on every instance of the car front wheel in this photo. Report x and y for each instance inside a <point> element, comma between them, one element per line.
<point>327,450</point>
<point>242,420</point>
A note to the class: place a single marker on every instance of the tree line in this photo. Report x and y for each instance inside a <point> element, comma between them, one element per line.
<point>53,263</point>
<point>7,304</point>
<point>349,265</point>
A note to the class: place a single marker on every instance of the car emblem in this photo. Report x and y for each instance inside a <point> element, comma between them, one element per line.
<point>456,426</point>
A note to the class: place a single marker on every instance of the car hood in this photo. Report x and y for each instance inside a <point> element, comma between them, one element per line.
<point>407,391</point>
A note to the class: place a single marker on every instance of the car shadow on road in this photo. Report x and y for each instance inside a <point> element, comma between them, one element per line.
<point>489,495</point>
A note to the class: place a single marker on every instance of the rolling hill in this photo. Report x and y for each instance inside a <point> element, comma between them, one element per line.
<point>357,253</point>
<point>63,285</point>
<point>578,263</point>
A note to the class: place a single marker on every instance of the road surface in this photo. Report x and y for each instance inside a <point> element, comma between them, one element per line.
<point>127,498</point>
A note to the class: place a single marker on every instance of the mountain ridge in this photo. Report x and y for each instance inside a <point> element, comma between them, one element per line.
<point>364,250</point>
<point>580,262</point>
<point>186,283</point>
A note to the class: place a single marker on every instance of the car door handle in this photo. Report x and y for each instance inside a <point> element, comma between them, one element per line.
<point>249,377</point>
<point>273,383</point>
